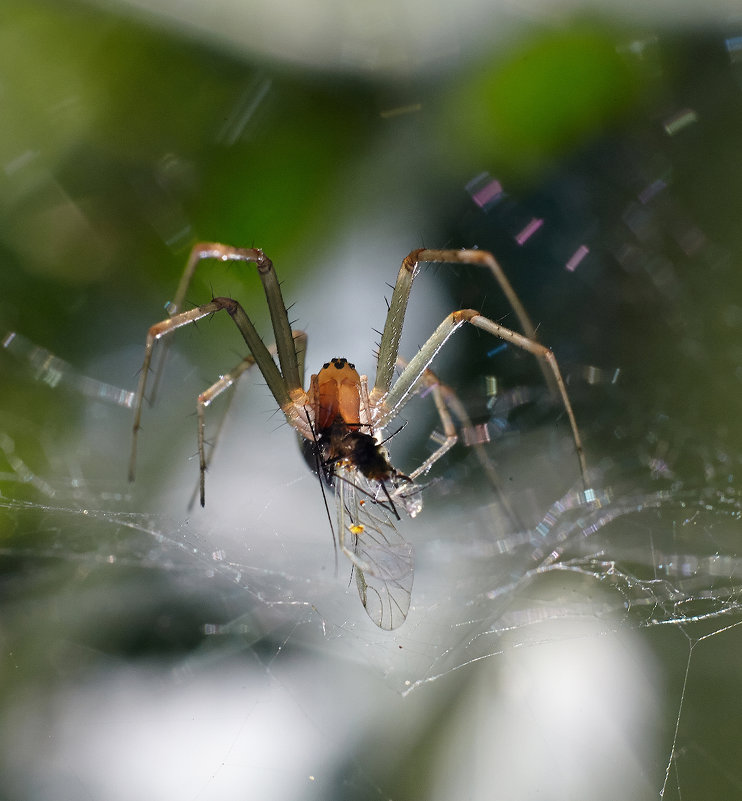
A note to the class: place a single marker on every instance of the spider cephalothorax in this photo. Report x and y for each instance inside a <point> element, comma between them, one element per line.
<point>335,395</point>
<point>342,420</point>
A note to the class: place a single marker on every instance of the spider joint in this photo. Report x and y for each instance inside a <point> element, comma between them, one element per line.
<point>228,304</point>
<point>299,397</point>
<point>263,263</point>
<point>464,316</point>
<point>411,260</point>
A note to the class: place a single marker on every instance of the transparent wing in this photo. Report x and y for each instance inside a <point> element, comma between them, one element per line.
<point>383,561</point>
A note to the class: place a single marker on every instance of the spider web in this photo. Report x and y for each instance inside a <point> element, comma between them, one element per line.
<point>592,650</point>
<point>645,552</point>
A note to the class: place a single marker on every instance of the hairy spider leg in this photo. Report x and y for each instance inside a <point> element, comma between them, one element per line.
<point>203,251</point>
<point>153,335</point>
<point>430,380</point>
<point>204,400</point>
<point>227,381</point>
<point>446,399</point>
<point>283,338</point>
<point>291,401</point>
<point>390,405</point>
<point>389,345</point>
<point>286,385</point>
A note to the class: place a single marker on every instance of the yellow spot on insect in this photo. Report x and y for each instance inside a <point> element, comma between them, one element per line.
<point>356,529</point>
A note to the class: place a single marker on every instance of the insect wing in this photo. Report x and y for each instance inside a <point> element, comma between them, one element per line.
<point>383,561</point>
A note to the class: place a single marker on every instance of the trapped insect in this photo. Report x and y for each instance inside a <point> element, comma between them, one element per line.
<point>343,419</point>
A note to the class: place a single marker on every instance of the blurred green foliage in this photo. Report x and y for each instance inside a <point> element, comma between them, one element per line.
<point>121,144</point>
<point>542,99</point>
<point>118,155</point>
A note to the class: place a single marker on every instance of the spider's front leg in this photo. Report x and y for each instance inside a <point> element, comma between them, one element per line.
<point>287,397</point>
<point>155,333</point>
<point>386,400</point>
<point>285,384</point>
<point>216,251</point>
<point>405,386</point>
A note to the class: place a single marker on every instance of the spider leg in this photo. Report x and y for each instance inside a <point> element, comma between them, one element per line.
<point>450,437</point>
<point>447,402</point>
<point>228,381</point>
<point>202,251</point>
<point>153,335</point>
<point>272,375</point>
<point>389,346</point>
<point>404,388</point>
<point>225,382</point>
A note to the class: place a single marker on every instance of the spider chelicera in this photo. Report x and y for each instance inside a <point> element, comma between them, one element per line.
<point>343,420</point>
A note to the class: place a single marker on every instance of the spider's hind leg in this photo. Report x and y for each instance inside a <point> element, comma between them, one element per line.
<point>447,402</point>
<point>226,382</point>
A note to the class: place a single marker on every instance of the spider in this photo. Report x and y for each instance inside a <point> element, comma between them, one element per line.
<point>343,419</point>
